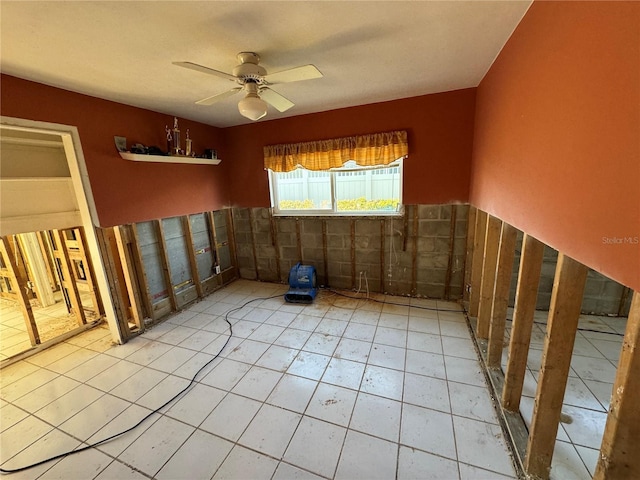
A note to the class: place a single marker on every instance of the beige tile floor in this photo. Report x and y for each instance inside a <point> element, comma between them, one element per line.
<point>338,389</point>
<point>52,321</point>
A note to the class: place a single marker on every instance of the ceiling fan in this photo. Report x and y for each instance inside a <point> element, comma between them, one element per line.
<point>254,81</point>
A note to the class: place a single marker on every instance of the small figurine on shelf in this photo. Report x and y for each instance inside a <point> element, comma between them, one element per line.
<point>187,146</point>
<point>169,139</point>
<point>176,137</point>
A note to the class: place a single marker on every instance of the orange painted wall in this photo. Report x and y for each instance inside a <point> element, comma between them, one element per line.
<point>440,129</point>
<point>125,191</point>
<point>557,133</point>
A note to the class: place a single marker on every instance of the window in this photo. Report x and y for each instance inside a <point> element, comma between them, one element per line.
<point>349,190</point>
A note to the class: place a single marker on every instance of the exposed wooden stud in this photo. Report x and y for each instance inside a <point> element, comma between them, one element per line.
<point>142,274</point>
<point>619,451</point>
<point>231,236</point>
<point>477,260</point>
<point>20,263</point>
<point>523,313</point>
<point>325,257</point>
<point>405,231</point>
<point>276,244</point>
<point>504,269</point>
<point>68,279</point>
<point>253,243</point>
<point>414,253</point>
<point>564,313</point>
<point>89,273</point>
<point>11,272</point>
<point>353,253</point>
<point>298,240</point>
<point>452,240</point>
<point>213,239</point>
<point>108,251</point>
<point>487,283</point>
<point>471,230</point>
<point>382,246</point>
<point>191,254</point>
<point>130,277</point>
<point>166,269</point>
<point>623,300</point>
<point>48,259</point>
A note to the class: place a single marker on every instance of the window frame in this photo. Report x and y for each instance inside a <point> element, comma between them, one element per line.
<point>333,212</point>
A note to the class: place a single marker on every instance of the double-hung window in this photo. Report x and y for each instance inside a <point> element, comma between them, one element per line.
<point>349,190</point>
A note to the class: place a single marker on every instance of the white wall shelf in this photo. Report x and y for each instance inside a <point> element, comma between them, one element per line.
<point>136,157</point>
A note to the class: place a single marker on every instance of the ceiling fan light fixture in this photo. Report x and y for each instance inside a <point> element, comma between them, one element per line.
<point>252,107</point>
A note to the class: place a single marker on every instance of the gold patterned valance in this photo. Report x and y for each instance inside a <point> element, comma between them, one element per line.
<point>365,150</point>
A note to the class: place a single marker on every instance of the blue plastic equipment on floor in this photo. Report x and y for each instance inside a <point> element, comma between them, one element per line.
<point>302,283</point>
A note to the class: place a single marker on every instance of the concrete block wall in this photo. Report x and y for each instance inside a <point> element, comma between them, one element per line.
<point>602,296</point>
<point>420,253</point>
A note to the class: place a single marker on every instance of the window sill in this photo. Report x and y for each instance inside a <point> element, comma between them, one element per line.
<point>316,213</point>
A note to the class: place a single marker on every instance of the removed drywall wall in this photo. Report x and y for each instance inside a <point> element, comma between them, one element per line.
<point>420,253</point>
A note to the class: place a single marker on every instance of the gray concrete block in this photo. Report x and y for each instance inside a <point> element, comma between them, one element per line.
<point>339,227</point>
<point>338,281</point>
<point>286,239</point>
<point>445,211</point>
<point>249,274</point>
<point>311,239</point>
<point>339,255</point>
<point>338,241</point>
<point>461,229</point>
<point>312,225</point>
<point>426,244</point>
<point>398,288</point>
<point>263,239</point>
<point>462,211</point>
<point>460,247</point>
<point>290,254</point>
<point>368,242</point>
<point>367,227</point>
<point>429,211</point>
<point>260,225</point>
<point>432,260</point>
<point>240,214</point>
<point>442,245</point>
<point>369,257</point>
<point>313,253</point>
<point>284,224</point>
<point>242,226</point>
<point>244,250</point>
<point>433,275</point>
<point>261,213</point>
<point>430,290</point>
<point>372,272</point>
<point>455,293</point>
<point>434,228</point>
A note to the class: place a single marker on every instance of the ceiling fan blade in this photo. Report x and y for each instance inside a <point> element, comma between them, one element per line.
<point>200,68</point>
<point>216,98</point>
<point>275,100</point>
<point>306,72</point>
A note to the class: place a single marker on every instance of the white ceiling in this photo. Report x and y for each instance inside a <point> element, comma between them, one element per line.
<point>368,51</point>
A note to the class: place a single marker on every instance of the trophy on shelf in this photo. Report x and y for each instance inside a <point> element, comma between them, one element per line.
<point>176,138</point>
<point>169,139</point>
<point>187,145</point>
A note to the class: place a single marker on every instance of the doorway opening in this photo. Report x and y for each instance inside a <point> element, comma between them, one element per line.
<point>52,279</point>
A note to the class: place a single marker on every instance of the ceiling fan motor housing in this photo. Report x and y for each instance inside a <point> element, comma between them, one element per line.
<point>248,69</point>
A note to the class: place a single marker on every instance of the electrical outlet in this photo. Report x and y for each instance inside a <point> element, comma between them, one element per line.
<point>217,269</point>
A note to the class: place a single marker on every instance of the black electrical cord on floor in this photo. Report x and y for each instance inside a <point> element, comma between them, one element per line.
<point>157,410</point>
